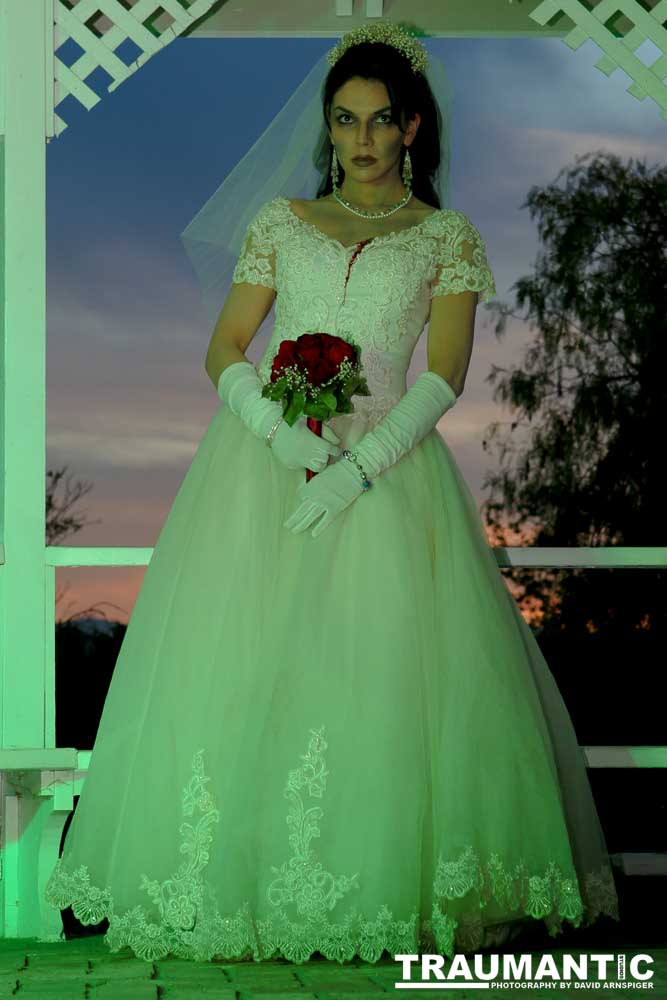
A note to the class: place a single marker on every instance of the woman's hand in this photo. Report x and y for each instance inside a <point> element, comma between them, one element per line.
<point>297,447</point>
<point>327,493</point>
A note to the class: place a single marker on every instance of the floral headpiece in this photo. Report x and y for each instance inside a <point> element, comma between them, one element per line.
<point>400,35</point>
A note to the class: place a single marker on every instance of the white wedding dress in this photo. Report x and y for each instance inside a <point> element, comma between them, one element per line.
<point>346,744</point>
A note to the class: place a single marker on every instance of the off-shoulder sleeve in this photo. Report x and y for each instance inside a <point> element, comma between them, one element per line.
<point>256,263</point>
<point>462,263</point>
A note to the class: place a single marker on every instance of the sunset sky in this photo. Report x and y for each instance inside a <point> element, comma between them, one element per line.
<point>128,399</point>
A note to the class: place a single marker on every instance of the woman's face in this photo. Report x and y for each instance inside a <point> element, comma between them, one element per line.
<point>361,125</point>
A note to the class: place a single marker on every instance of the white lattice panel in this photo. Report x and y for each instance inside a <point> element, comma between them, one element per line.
<point>99,27</point>
<point>618,27</point>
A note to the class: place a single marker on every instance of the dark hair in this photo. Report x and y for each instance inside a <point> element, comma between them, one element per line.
<point>409,92</point>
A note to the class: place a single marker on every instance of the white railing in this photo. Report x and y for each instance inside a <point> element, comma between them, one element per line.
<point>38,784</point>
<point>543,557</point>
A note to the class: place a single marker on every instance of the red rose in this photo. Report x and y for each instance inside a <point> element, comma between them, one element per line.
<point>328,340</point>
<point>311,339</point>
<point>318,355</point>
<point>287,355</point>
<point>322,371</point>
<point>309,347</point>
<point>340,351</point>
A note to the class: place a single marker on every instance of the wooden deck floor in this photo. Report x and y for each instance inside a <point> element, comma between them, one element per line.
<point>84,969</point>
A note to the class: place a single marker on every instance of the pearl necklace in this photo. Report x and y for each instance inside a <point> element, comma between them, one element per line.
<point>373,215</point>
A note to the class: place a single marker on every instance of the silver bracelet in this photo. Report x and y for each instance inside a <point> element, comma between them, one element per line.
<point>352,457</point>
<point>272,433</point>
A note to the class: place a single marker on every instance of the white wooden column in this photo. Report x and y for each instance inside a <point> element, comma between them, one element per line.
<point>24,47</point>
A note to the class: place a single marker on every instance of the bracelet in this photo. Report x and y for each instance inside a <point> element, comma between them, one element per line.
<point>352,456</point>
<point>272,433</point>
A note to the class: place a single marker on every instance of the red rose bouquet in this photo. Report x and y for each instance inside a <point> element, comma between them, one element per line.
<point>316,375</point>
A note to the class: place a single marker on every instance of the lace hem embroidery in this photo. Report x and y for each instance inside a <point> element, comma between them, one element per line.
<point>190,925</point>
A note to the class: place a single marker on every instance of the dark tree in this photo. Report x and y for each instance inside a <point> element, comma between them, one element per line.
<point>581,461</point>
<point>60,522</point>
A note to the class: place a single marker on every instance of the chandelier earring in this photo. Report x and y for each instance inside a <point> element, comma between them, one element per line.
<point>334,169</point>
<point>407,169</point>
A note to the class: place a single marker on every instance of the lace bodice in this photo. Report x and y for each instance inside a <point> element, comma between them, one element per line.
<point>377,294</point>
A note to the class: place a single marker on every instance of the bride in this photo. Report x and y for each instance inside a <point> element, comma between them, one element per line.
<point>329,730</point>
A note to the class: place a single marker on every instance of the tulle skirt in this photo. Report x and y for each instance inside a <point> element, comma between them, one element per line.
<point>343,745</point>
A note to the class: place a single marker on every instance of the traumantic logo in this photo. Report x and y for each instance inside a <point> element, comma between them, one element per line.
<point>592,971</point>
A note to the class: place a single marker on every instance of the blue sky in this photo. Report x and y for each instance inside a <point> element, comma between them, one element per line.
<point>128,399</point>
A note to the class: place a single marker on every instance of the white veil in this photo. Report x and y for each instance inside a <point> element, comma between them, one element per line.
<point>290,158</point>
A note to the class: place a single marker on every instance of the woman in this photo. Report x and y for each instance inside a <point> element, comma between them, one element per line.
<point>326,698</point>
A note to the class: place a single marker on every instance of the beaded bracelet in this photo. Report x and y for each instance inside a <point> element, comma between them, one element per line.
<point>272,433</point>
<point>352,457</point>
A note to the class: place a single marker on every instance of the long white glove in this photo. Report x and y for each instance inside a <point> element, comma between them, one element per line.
<point>296,447</point>
<point>404,426</point>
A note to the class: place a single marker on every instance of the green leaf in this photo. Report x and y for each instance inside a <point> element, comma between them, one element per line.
<point>317,410</point>
<point>329,399</point>
<point>275,390</point>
